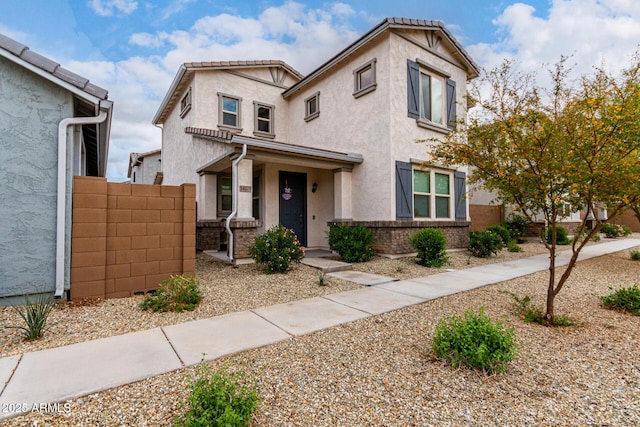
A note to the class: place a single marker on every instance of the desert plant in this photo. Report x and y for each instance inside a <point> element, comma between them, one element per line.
<point>512,246</point>
<point>634,254</point>
<point>431,245</point>
<point>353,243</point>
<point>517,226</point>
<point>626,299</point>
<point>276,249</point>
<point>474,341</point>
<point>322,278</point>
<point>503,232</point>
<point>613,231</point>
<point>562,236</point>
<point>219,399</point>
<point>531,313</point>
<point>483,244</point>
<point>35,314</point>
<point>177,293</point>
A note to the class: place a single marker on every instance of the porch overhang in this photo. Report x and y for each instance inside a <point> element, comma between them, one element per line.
<point>276,152</point>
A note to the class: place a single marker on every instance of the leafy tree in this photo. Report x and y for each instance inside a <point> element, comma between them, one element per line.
<point>574,145</point>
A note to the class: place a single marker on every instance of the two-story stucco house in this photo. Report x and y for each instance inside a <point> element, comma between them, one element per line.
<point>266,145</point>
<point>54,124</point>
<point>145,168</point>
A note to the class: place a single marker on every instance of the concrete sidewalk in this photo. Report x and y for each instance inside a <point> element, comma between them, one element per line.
<point>59,374</point>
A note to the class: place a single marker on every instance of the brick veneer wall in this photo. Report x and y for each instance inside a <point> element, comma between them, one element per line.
<point>210,235</point>
<point>629,219</point>
<point>391,236</point>
<point>126,238</point>
<point>485,215</point>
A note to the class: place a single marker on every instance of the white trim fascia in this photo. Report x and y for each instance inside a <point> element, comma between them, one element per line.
<point>165,101</point>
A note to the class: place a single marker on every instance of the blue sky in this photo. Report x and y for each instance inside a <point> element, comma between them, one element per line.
<point>133,48</point>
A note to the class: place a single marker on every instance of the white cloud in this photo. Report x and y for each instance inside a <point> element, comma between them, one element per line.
<point>592,32</point>
<point>148,39</point>
<point>109,7</point>
<point>174,7</point>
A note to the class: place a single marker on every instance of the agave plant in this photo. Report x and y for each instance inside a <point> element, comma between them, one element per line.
<point>35,314</point>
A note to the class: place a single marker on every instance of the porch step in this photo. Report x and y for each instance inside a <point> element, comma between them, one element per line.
<point>326,265</point>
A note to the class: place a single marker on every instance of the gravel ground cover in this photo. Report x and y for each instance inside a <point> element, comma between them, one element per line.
<point>379,370</point>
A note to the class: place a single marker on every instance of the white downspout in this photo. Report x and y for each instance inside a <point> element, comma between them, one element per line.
<point>62,187</point>
<point>234,200</point>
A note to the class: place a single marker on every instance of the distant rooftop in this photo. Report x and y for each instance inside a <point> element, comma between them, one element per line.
<point>23,52</point>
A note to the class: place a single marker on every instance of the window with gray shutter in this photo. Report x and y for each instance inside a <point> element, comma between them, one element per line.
<point>451,104</point>
<point>413,89</point>
<point>404,191</point>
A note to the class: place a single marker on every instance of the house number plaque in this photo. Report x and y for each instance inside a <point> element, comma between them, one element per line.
<point>245,189</point>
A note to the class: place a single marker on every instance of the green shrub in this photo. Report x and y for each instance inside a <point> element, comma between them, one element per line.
<point>626,299</point>
<point>517,226</point>
<point>35,314</point>
<point>562,236</point>
<point>512,246</point>
<point>483,244</point>
<point>219,399</point>
<point>503,232</point>
<point>276,249</point>
<point>474,341</point>
<point>613,230</point>
<point>353,243</point>
<point>431,245</point>
<point>635,254</point>
<point>177,293</point>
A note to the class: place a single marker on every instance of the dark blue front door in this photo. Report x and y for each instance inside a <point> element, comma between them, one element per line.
<point>293,203</point>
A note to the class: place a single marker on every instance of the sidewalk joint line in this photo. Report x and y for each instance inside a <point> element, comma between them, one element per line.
<point>12,374</point>
<point>172,347</point>
<point>269,321</point>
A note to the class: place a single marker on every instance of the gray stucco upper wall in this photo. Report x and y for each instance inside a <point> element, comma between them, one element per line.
<point>30,109</point>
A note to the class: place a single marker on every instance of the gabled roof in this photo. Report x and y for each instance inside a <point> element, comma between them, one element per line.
<point>136,159</point>
<point>19,53</point>
<point>188,68</point>
<point>389,23</point>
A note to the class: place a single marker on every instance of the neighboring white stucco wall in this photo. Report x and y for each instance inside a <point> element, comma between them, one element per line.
<point>30,110</point>
<point>145,173</point>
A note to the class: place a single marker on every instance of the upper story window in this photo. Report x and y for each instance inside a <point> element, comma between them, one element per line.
<point>431,194</point>
<point>431,96</point>
<point>263,120</point>
<point>312,107</point>
<point>229,117</point>
<point>364,79</point>
<point>185,103</point>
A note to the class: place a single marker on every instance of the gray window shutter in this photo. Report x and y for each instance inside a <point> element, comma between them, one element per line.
<point>413,89</point>
<point>460,187</point>
<point>404,191</point>
<point>451,104</point>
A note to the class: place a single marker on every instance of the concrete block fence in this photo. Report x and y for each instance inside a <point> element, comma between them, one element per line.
<point>127,238</point>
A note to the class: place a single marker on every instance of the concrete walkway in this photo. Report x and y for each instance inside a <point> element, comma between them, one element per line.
<point>68,372</point>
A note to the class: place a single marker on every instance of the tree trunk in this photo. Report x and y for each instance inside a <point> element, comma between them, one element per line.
<point>551,291</point>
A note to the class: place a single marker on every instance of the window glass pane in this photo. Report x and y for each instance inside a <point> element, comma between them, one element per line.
<point>442,207</point>
<point>442,184</point>
<point>229,119</point>
<point>366,77</point>
<point>421,182</point>
<point>263,126</point>
<point>225,183</point>
<point>425,96</point>
<point>312,106</point>
<point>436,100</point>
<point>256,208</point>
<point>420,206</point>
<point>264,113</point>
<point>230,105</point>
<point>226,203</point>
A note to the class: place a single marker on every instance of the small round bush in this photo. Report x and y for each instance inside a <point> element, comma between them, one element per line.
<point>483,244</point>
<point>626,230</point>
<point>517,226</point>
<point>626,299</point>
<point>431,245</point>
<point>634,254</point>
<point>474,341</point>
<point>501,231</point>
<point>562,236</point>
<point>613,230</point>
<point>177,293</point>
<point>512,246</point>
<point>276,249</point>
<point>219,399</point>
<point>353,243</point>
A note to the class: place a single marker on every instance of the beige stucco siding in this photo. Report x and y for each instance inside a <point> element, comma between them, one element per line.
<point>349,124</point>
